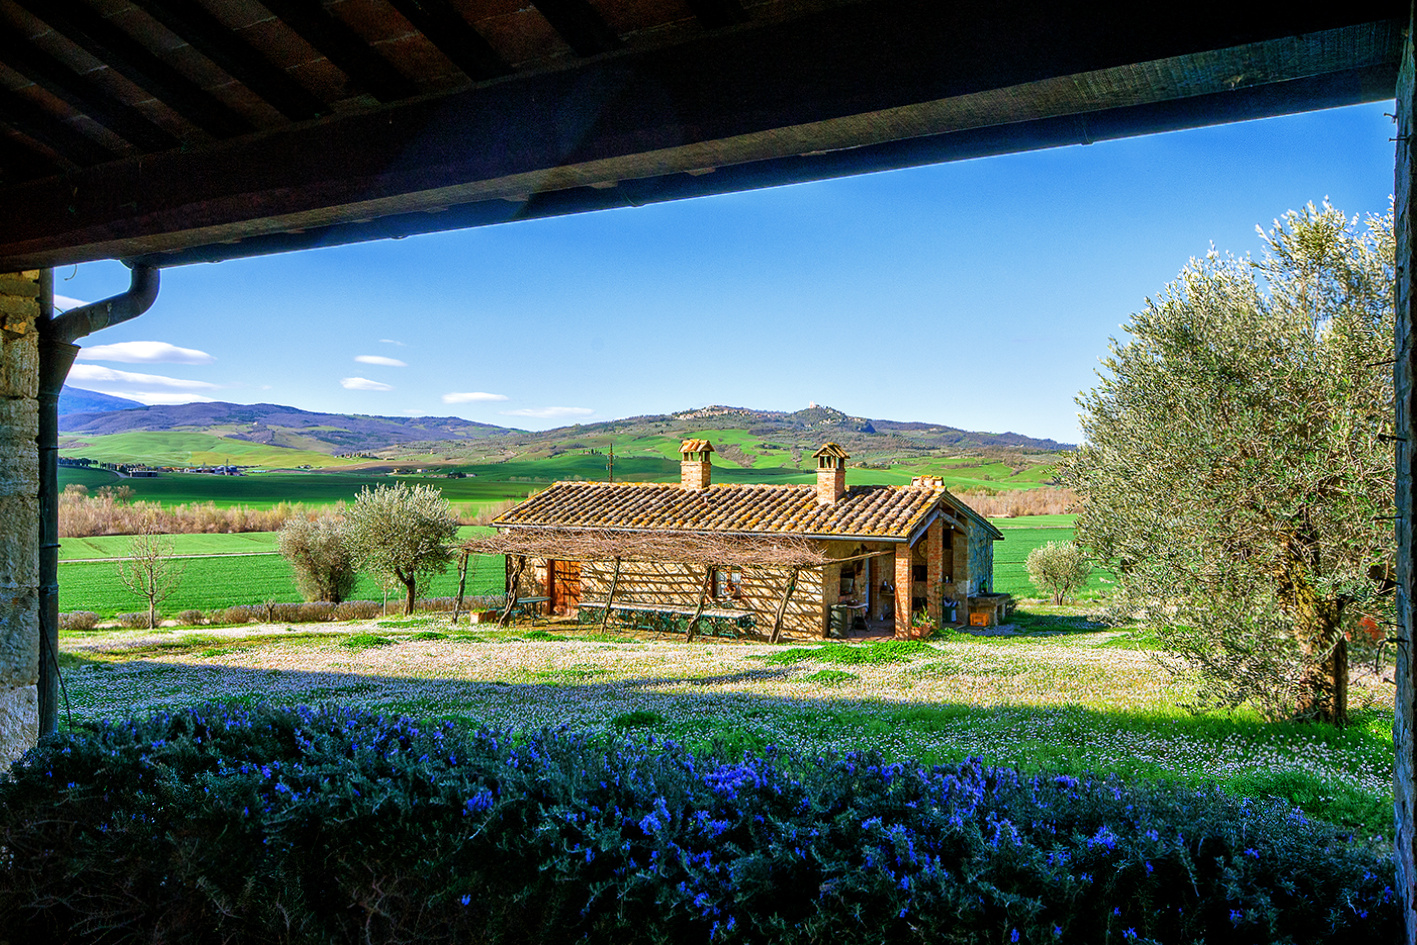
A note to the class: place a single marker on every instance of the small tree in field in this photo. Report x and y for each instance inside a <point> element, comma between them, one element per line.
<point>319,551</point>
<point>403,532</point>
<point>150,571</point>
<point>1058,568</point>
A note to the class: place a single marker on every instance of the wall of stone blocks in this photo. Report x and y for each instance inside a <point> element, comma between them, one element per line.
<point>21,297</point>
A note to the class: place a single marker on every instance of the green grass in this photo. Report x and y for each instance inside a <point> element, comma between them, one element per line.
<point>211,583</point>
<point>1010,574</point>
<point>876,652</point>
<point>832,677</point>
<point>170,448</point>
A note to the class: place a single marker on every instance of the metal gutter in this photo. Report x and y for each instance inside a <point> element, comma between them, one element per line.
<point>57,351</point>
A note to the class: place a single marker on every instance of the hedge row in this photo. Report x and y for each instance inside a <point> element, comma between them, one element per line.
<point>224,824</point>
<point>285,612</point>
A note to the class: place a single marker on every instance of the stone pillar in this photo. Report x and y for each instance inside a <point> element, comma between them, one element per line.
<point>903,561</point>
<point>934,566</point>
<point>24,298</point>
<point>1405,371</point>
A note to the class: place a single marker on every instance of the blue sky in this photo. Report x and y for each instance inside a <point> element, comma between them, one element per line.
<point>978,294</point>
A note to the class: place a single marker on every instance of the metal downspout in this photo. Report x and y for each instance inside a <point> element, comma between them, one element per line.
<point>56,355</point>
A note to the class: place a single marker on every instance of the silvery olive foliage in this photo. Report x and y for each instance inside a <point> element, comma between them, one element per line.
<point>1236,477</point>
<point>1060,568</point>
<point>320,554</point>
<point>402,532</point>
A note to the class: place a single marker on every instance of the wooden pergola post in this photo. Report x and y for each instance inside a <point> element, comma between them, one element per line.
<point>699,610</point>
<point>610,597</point>
<point>513,583</point>
<point>782,604</point>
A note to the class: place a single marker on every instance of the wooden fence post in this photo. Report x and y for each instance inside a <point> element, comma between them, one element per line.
<point>462,585</point>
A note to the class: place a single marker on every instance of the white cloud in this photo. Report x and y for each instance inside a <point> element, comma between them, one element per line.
<point>548,413</point>
<point>380,360</point>
<point>92,373</point>
<point>363,383</point>
<point>145,352</point>
<point>390,341</point>
<point>64,302</point>
<point>155,397</point>
<point>472,396</point>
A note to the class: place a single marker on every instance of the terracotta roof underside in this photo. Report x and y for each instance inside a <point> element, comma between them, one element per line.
<point>887,513</point>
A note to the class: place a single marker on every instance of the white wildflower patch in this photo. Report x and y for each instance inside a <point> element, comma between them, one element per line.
<point>1063,700</point>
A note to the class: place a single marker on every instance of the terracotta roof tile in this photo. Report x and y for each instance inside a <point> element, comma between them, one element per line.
<point>886,512</point>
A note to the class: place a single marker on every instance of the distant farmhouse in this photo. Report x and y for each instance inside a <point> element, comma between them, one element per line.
<point>799,561</point>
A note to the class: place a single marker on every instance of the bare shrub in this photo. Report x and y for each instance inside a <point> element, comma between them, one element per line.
<point>316,611</point>
<point>358,610</point>
<point>111,512</point>
<point>1045,500</point>
<point>488,514</point>
<point>191,617</point>
<point>78,620</point>
<point>241,613</point>
<point>135,620</point>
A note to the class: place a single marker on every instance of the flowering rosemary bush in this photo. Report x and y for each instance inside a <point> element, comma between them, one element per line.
<point>333,825</point>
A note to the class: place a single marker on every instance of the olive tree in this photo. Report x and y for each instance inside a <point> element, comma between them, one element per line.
<point>320,554</point>
<point>150,571</point>
<point>1237,470</point>
<point>402,533</point>
<point>1059,568</point>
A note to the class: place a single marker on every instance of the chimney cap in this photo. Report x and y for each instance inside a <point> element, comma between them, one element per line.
<point>831,449</point>
<point>695,446</point>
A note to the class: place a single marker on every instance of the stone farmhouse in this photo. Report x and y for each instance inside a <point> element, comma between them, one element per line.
<point>808,561</point>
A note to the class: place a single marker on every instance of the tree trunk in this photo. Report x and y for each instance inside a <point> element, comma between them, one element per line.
<point>410,584</point>
<point>462,585</point>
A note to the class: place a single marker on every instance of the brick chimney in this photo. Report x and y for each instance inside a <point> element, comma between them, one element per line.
<point>831,474</point>
<point>695,473</point>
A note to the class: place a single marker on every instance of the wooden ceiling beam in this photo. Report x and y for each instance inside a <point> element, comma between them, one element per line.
<point>445,28</point>
<point>715,14</point>
<point>81,25</point>
<point>340,44</point>
<point>63,82</point>
<point>847,92</point>
<point>20,161</point>
<point>24,116</point>
<point>578,23</point>
<point>234,56</point>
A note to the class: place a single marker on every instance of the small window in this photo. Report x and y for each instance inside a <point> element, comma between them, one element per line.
<point>727,583</point>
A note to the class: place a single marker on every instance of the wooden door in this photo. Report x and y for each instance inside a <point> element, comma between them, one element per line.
<point>565,590</point>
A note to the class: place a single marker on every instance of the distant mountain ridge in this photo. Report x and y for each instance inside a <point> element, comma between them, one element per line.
<point>459,440</point>
<point>78,400</point>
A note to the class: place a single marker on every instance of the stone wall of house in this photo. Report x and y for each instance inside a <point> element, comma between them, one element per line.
<point>21,297</point>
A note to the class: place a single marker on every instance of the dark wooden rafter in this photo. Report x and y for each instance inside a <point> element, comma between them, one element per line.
<point>24,116</point>
<point>445,28</point>
<point>234,56</point>
<point>63,82</point>
<point>578,23</point>
<point>81,25</point>
<point>20,161</point>
<point>344,47</point>
<point>714,14</point>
